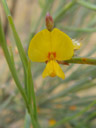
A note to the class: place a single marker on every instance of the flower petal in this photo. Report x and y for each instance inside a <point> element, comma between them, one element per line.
<point>61,44</point>
<point>40,46</point>
<point>52,69</point>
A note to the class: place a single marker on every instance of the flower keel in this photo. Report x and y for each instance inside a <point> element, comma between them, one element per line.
<point>53,69</point>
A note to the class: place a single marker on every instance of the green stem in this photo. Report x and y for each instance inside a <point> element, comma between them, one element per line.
<point>79,60</point>
<point>30,87</point>
<point>16,37</point>
<point>31,94</point>
<point>12,68</point>
<point>34,102</point>
<point>11,55</point>
<point>17,40</point>
<point>10,63</point>
<point>36,124</point>
<point>27,122</point>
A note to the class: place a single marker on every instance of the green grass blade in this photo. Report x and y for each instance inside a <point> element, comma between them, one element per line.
<point>10,63</point>
<point>27,123</point>
<point>16,37</point>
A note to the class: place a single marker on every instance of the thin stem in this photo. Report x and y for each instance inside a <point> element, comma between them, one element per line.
<point>16,36</point>
<point>14,73</point>
<point>31,91</point>
<point>34,102</point>
<point>10,63</point>
<point>12,67</point>
<point>11,55</point>
<point>79,60</point>
<point>36,124</point>
<point>12,10</point>
<point>33,121</point>
<point>17,40</point>
<point>31,94</point>
<point>27,122</point>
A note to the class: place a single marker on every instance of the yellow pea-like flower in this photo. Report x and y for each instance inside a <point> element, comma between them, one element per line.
<point>51,47</point>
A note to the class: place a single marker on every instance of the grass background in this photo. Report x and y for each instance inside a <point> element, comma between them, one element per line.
<point>57,99</point>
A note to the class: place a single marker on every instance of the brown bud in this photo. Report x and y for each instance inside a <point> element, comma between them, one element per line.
<point>49,22</point>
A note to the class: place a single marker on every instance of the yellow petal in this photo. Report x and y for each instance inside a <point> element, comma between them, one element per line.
<point>53,69</point>
<point>76,44</point>
<point>40,46</point>
<point>45,42</point>
<point>61,44</point>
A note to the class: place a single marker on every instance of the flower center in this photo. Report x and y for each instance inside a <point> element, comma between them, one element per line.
<point>51,55</point>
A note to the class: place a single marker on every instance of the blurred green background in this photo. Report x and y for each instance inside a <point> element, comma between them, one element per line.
<point>56,99</point>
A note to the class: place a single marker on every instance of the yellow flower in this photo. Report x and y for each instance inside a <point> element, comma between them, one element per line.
<point>51,47</point>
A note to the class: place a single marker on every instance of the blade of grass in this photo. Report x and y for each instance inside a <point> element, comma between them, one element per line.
<point>10,63</point>
<point>16,36</point>
<point>14,73</point>
<point>31,93</point>
<point>27,123</point>
<point>29,88</point>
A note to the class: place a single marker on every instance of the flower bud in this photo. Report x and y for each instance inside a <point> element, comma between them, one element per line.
<point>49,22</point>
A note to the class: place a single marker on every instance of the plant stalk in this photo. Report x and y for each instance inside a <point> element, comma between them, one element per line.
<point>79,60</point>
